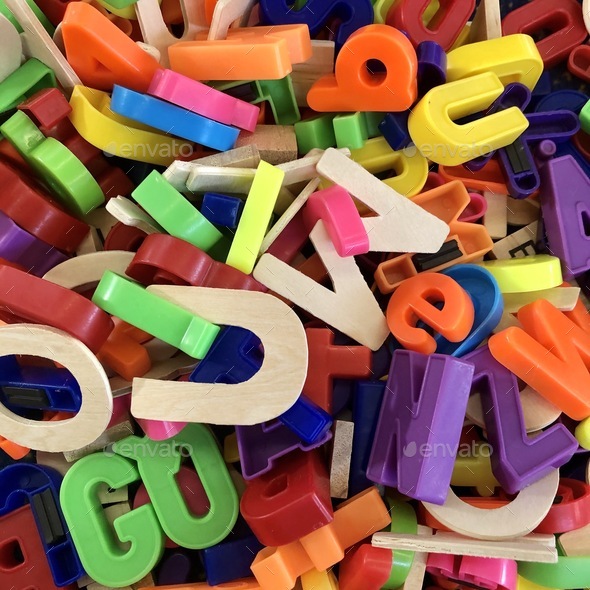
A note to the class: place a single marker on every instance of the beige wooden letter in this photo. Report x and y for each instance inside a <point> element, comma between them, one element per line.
<point>586,13</point>
<point>225,13</point>
<point>487,23</point>
<point>536,548</point>
<point>400,225</point>
<point>38,43</point>
<point>156,33</point>
<point>350,308</point>
<point>269,393</point>
<point>88,268</point>
<point>97,402</point>
<point>519,517</point>
<point>12,48</point>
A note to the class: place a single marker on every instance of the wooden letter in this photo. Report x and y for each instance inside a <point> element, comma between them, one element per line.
<point>97,402</point>
<point>350,308</point>
<point>401,226</point>
<point>272,391</point>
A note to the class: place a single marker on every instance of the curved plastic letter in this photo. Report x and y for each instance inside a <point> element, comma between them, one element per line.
<point>353,87</point>
<point>158,464</point>
<point>99,552</point>
<point>435,133</point>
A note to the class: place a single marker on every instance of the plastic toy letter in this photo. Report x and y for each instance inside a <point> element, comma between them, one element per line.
<point>23,484</point>
<point>255,218</point>
<point>420,424</point>
<point>565,212</point>
<point>70,181</point>
<point>133,304</point>
<point>32,570</point>
<point>101,53</point>
<point>99,552</point>
<point>269,393</point>
<point>353,87</point>
<point>550,354</point>
<point>158,464</point>
<point>300,507</point>
<point>517,461</point>
<point>432,122</point>
<point>414,301</point>
<point>175,213</point>
<point>513,58</point>
<point>251,53</point>
<point>97,124</point>
<point>443,28</point>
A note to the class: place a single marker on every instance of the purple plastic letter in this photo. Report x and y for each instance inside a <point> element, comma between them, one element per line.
<point>517,461</point>
<point>21,247</point>
<point>260,445</point>
<point>566,213</point>
<point>420,424</point>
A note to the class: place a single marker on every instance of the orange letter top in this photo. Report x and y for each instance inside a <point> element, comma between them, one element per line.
<point>101,54</point>
<point>354,88</point>
<point>413,300</point>
<point>551,354</point>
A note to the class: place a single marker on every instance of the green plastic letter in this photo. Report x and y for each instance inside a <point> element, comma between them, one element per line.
<point>101,556</point>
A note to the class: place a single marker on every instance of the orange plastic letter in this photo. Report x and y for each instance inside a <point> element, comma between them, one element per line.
<point>354,520</point>
<point>413,301</point>
<point>551,354</point>
<point>353,87</point>
<point>252,53</point>
<point>101,54</point>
